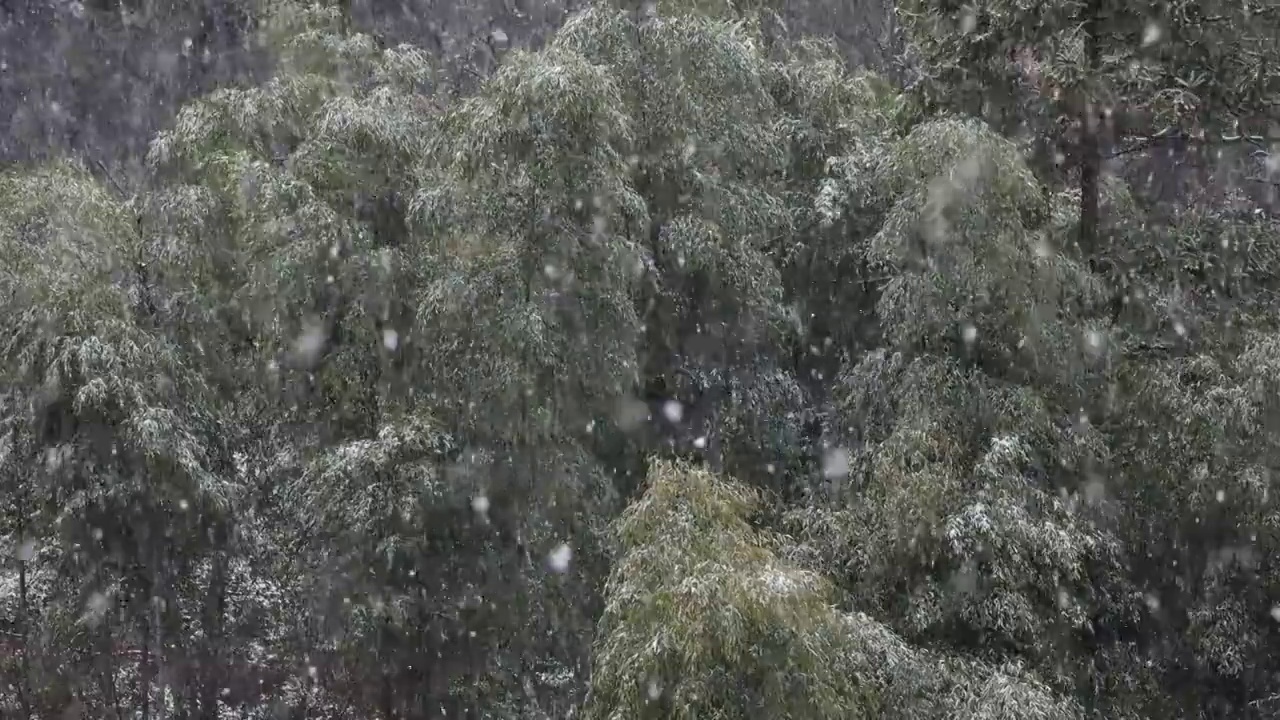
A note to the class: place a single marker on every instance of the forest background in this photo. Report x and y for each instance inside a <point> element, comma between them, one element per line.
<point>624,360</point>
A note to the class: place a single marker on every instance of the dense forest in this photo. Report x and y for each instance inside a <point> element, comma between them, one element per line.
<point>675,367</point>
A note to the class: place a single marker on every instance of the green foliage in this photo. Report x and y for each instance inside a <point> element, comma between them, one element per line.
<point>951,506</point>
<point>703,620</point>
<point>527,209</point>
<point>708,156</point>
<point>962,242</point>
<point>1197,65</point>
<point>351,381</point>
<point>81,350</point>
<point>113,464</point>
<point>707,619</point>
<point>948,520</point>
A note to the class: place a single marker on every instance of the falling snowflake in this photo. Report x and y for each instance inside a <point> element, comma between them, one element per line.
<point>1151,34</point>
<point>27,551</point>
<point>1094,340</point>
<point>310,342</point>
<point>559,558</point>
<point>97,606</point>
<point>673,411</point>
<point>835,463</point>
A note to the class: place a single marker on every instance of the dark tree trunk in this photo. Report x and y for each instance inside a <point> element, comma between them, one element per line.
<point>144,672</point>
<point>214,612</point>
<point>1089,148</point>
<point>24,692</point>
<point>24,612</point>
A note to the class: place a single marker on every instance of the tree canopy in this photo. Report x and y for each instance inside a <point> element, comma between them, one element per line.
<point>676,370</point>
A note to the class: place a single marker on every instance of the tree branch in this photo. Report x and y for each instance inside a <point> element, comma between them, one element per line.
<point>1263,701</point>
<point>1170,134</point>
<point>1264,181</point>
<point>111,178</point>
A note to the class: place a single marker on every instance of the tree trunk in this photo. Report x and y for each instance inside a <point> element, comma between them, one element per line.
<point>144,670</point>
<point>22,625</point>
<point>214,613</point>
<point>24,683</point>
<point>24,692</point>
<point>107,681</point>
<point>1089,151</point>
<point>388,697</point>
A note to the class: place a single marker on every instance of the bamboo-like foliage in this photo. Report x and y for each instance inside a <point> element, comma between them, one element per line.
<point>707,619</point>
<point>336,411</point>
<point>1193,64</point>
<point>113,465</point>
<point>704,621</point>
